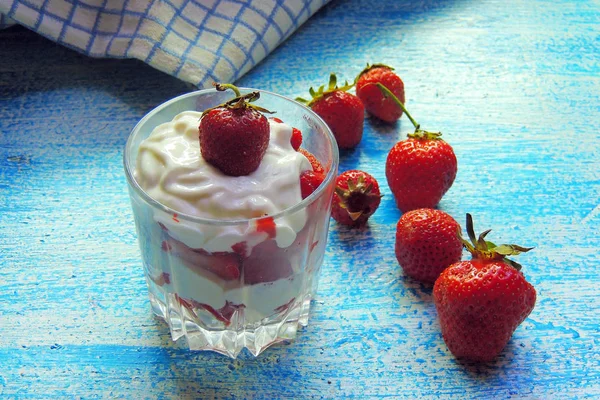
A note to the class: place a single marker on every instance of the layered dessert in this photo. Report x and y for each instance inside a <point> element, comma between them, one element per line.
<point>229,250</point>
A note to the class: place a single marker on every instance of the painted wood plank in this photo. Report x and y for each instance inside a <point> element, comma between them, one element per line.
<point>514,86</point>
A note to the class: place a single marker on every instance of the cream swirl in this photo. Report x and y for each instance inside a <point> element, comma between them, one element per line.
<point>171,170</point>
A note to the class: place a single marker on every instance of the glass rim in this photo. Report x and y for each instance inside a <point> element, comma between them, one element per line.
<point>331,174</point>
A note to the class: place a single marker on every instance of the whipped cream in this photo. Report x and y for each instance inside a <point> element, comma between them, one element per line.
<point>171,170</point>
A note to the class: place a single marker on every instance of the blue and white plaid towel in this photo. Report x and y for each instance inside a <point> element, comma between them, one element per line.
<point>198,41</point>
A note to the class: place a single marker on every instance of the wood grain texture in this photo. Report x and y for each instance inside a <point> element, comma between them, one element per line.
<point>513,85</point>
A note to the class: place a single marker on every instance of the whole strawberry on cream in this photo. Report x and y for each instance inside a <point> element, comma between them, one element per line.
<point>227,164</point>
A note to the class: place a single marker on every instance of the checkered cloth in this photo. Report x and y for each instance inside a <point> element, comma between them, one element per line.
<point>198,41</point>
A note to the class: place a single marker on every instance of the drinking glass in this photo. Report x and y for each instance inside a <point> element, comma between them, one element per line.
<point>269,298</point>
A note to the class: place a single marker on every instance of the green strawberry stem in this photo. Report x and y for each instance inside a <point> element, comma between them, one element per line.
<point>388,93</point>
<point>485,250</point>
<point>221,87</point>
<point>239,101</point>
<point>418,133</point>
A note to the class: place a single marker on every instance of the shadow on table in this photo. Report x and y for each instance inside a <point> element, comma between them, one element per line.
<point>209,375</point>
<point>351,240</point>
<point>38,65</point>
<point>511,372</point>
<point>163,364</point>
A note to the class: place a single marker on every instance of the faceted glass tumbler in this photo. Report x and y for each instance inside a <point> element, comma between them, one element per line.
<point>268,295</point>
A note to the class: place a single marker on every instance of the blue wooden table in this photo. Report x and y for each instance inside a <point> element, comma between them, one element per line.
<point>513,85</point>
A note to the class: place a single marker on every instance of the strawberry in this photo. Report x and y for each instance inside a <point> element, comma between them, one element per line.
<point>316,165</point>
<point>268,226</point>
<point>310,180</point>
<point>162,279</point>
<point>375,102</point>
<point>427,242</point>
<point>224,265</point>
<point>482,301</point>
<point>343,112</point>
<point>420,169</point>
<point>223,314</point>
<point>296,138</point>
<point>355,199</point>
<point>234,136</point>
<point>267,263</point>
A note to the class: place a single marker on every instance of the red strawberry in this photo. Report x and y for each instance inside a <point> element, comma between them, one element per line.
<point>343,112</point>
<point>316,165</point>
<point>223,314</point>
<point>420,169</point>
<point>310,180</point>
<point>356,198</point>
<point>225,265</point>
<point>427,242</point>
<point>234,136</point>
<point>162,279</point>
<point>296,138</point>
<point>375,102</point>
<point>267,263</point>
<point>482,301</point>
<point>268,226</point>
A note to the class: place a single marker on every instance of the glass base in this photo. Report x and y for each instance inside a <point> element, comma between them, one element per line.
<point>203,331</point>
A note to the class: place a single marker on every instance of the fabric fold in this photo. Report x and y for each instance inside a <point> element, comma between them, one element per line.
<point>197,41</point>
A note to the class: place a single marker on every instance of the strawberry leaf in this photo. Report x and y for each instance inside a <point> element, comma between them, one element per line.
<point>513,264</point>
<point>331,87</point>
<point>332,82</point>
<point>486,250</point>
<point>481,243</point>
<point>470,229</point>
<point>510,249</point>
